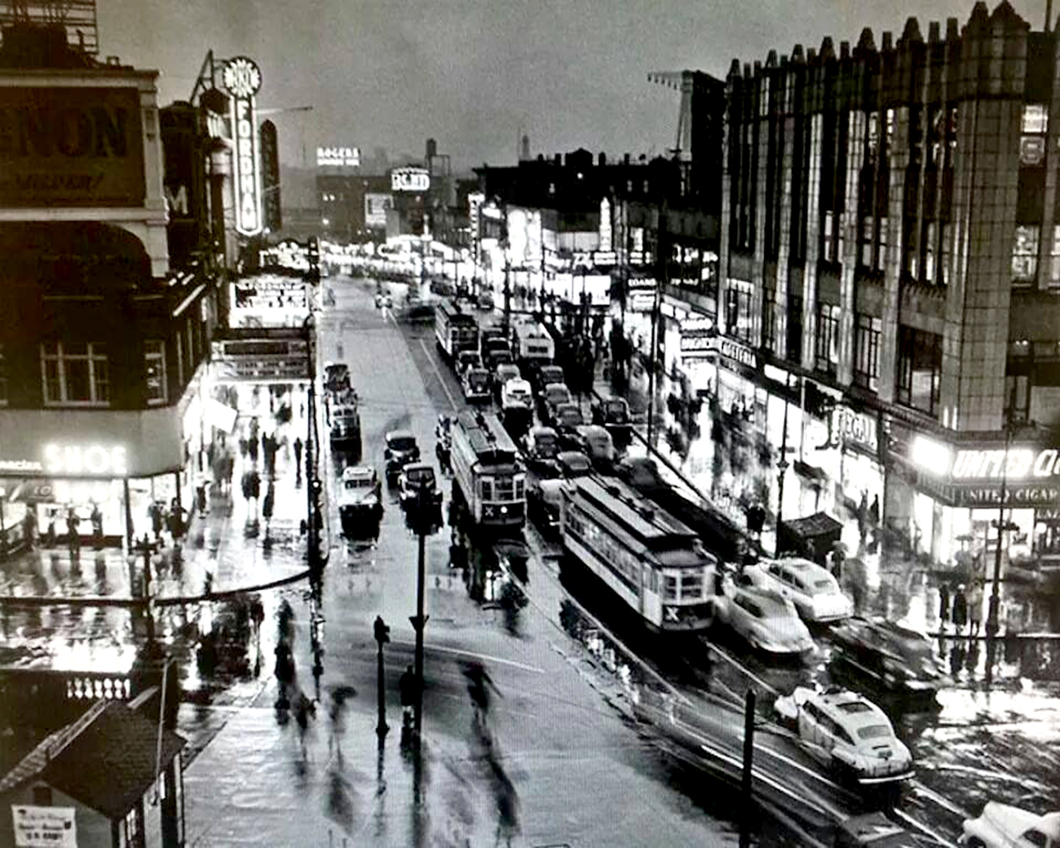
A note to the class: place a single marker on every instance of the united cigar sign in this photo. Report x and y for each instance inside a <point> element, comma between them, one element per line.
<point>71,147</point>
<point>242,79</point>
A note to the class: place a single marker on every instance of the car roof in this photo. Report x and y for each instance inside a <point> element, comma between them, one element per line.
<point>352,472</point>
<point>573,457</point>
<point>518,383</point>
<point>542,431</point>
<point>849,708</point>
<point>419,466</point>
<point>798,565</point>
<point>595,431</point>
<point>767,597</point>
<point>554,386</point>
<point>400,434</point>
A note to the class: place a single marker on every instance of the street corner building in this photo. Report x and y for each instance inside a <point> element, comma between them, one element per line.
<point>110,295</point>
<point>102,781</point>
<point>883,327</point>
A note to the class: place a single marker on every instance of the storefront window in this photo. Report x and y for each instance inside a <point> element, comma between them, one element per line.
<point>919,369</point>
<point>75,374</point>
<point>867,351</point>
<point>155,372</point>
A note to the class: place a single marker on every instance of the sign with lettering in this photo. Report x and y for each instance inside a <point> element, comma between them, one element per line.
<point>95,460</point>
<point>1015,464</point>
<point>410,179</point>
<point>1048,515</point>
<point>339,157</point>
<point>71,147</point>
<point>44,827</point>
<point>375,209</point>
<point>243,80</point>
<point>697,346</point>
<point>1019,496</point>
<point>846,426</point>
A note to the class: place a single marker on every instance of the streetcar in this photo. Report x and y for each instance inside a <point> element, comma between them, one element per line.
<point>455,329</point>
<point>488,477</point>
<point>655,564</point>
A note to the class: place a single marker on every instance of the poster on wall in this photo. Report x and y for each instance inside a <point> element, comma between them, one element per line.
<point>44,827</point>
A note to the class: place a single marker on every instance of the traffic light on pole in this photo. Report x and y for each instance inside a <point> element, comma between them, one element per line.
<point>382,631</point>
<point>313,258</point>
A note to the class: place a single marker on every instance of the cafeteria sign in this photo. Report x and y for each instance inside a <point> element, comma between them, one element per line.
<point>44,827</point>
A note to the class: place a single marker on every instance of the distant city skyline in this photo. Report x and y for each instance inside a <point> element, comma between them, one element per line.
<point>475,74</point>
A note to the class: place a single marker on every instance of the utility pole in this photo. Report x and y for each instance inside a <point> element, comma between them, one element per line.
<point>146,547</point>
<point>782,467</point>
<point>748,764</point>
<point>663,263</point>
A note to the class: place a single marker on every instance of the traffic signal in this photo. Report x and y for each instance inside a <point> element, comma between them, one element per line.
<point>313,258</point>
<point>382,631</point>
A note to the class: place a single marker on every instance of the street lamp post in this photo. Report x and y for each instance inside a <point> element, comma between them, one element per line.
<point>782,467</point>
<point>422,524</point>
<point>992,623</point>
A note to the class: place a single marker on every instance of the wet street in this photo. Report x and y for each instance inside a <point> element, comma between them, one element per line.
<point>562,672</point>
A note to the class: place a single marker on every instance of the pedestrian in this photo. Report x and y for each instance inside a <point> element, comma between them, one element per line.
<point>252,447</point>
<point>268,504</point>
<point>874,513</point>
<point>298,455</point>
<point>154,512</point>
<point>29,526</point>
<point>863,516</point>
<point>230,467</point>
<point>176,521</point>
<point>73,535</point>
<point>960,609</point>
<point>944,604</point>
<point>200,498</point>
<point>838,561</point>
<point>97,526</point>
<point>975,607</point>
<point>303,711</point>
<point>407,692</point>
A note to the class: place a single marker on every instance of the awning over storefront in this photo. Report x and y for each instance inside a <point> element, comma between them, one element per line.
<point>812,536</point>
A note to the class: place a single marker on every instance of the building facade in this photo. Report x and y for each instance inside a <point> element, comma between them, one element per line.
<point>888,294</point>
<point>102,341</point>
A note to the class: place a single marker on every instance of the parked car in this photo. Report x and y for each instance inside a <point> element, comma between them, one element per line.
<point>890,657</point>
<point>476,385</point>
<point>417,479</point>
<point>504,372</point>
<point>568,420</point>
<point>400,450</point>
<point>553,395</point>
<point>763,617</point>
<point>542,375</point>
<point>872,830</point>
<point>515,392</point>
<point>484,301</point>
<point>1004,826</point>
<point>467,359</point>
<point>359,498</point>
<point>573,464</point>
<point>811,587</point>
<point>337,377</point>
<point>599,445</point>
<point>642,474</point>
<point>543,504</point>
<point>542,447</point>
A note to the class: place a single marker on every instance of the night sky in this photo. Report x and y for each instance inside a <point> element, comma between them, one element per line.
<point>477,74</point>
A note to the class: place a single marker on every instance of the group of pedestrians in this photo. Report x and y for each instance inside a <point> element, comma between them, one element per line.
<point>961,606</point>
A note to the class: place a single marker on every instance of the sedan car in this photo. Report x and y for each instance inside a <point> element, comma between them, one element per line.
<point>891,657</point>
<point>417,481</point>
<point>400,450</point>
<point>476,385</point>
<point>383,299</point>
<point>765,618</point>
<point>847,733</point>
<point>567,418</point>
<point>553,395</point>
<point>502,374</point>
<point>812,588</point>
<point>574,464</point>
<point>1004,826</point>
<point>542,375</point>
<point>542,446</point>
<point>359,498</point>
<point>598,445</point>
<point>543,505</point>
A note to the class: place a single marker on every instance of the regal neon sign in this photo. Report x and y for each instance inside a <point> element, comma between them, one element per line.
<point>242,78</point>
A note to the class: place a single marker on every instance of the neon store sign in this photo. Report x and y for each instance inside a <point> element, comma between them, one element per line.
<point>1014,464</point>
<point>92,460</point>
<point>242,78</point>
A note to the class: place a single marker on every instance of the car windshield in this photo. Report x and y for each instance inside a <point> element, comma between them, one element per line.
<point>421,476</point>
<point>469,359</point>
<point>402,443</point>
<point>823,586</point>
<point>557,394</point>
<point>477,381</point>
<point>874,731</point>
<point>545,444</point>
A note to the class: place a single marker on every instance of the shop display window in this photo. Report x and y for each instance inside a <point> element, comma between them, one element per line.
<point>155,372</point>
<point>867,351</point>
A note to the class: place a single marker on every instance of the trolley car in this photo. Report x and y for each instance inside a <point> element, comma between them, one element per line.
<point>487,473</point>
<point>653,562</point>
<point>455,329</point>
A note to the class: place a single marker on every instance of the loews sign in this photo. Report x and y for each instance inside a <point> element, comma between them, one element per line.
<point>243,80</point>
<point>71,147</point>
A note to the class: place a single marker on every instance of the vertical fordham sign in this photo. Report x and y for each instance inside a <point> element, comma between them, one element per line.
<point>243,79</point>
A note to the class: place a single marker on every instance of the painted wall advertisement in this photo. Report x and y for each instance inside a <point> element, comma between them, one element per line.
<point>71,147</point>
<point>44,827</point>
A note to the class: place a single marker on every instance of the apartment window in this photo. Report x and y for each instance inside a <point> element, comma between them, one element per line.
<point>738,322</point>
<point>827,341</point>
<point>1017,397</point>
<point>881,252</point>
<point>769,324</point>
<point>75,374</point>
<point>867,351</point>
<point>155,372</point>
<point>929,252</point>
<point>867,237</point>
<point>919,369</point>
<point>134,828</point>
<point>1025,254</point>
<point>945,252</point>
<point>1033,127</point>
<point>873,136</point>
<point>3,377</point>
<point>794,328</point>
<point>828,238</point>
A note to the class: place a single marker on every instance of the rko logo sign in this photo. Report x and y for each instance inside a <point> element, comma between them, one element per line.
<point>243,79</point>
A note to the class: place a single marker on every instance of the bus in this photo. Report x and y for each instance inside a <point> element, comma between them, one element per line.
<point>533,344</point>
<point>655,564</point>
<point>455,329</point>
<point>488,475</point>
